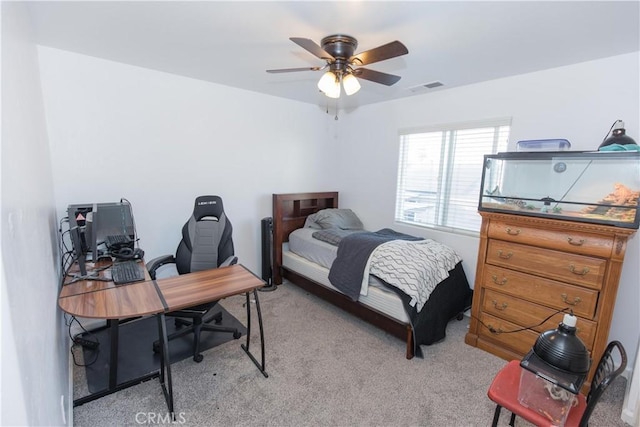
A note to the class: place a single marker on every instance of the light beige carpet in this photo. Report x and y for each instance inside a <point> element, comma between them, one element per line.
<point>326,368</point>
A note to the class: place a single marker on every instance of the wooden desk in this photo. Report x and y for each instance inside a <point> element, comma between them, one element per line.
<point>205,286</point>
<point>104,300</point>
<point>191,289</point>
<point>122,302</point>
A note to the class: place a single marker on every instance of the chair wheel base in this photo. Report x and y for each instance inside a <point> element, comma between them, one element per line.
<point>237,335</point>
<point>198,358</point>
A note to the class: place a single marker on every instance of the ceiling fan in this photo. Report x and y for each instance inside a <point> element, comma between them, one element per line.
<point>338,51</point>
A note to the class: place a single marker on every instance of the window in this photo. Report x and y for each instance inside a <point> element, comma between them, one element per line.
<point>440,170</point>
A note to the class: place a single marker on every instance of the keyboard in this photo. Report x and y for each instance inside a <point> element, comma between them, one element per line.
<point>117,241</point>
<point>127,272</point>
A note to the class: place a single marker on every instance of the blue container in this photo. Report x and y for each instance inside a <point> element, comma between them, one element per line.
<point>543,145</point>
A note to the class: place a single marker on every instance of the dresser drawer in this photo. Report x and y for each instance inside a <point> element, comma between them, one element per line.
<point>566,241</point>
<point>520,342</point>
<point>528,314</point>
<point>547,292</point>
<point>572,268</point>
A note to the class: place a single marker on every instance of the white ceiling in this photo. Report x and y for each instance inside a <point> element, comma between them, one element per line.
<point>233,43</point>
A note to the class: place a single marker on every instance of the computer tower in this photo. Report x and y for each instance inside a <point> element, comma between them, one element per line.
<point>95,222</point>
<point>266,227</point>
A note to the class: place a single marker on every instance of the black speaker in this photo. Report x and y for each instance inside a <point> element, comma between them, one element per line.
<point>266,231</point>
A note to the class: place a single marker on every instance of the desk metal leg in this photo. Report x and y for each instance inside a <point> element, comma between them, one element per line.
<point>261,367</point>
<point>113,352</point>
<point>165,363</point>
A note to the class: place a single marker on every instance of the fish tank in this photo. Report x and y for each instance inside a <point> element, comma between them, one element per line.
<point>599,187</point>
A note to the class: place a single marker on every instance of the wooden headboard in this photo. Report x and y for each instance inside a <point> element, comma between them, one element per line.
<point>289,213</point>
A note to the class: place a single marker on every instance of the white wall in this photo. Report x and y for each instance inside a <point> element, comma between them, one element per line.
<point>578,103</point>
<point>35,369</point>
<point>160,140</point>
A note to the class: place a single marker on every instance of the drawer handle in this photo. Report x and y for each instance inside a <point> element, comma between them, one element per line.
<point>513,232</point>
<point>572,268</point>
<point>505,256</point>
<point>575,242</point>
<point>495,280</point>
<point>493,330</point>
<point>576,300</point>
<point>501,307</point>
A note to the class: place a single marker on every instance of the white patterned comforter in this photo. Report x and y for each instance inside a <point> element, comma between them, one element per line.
<point>414,267</point>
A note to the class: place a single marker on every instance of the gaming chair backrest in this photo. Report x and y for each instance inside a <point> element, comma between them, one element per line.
<point>206,237</point>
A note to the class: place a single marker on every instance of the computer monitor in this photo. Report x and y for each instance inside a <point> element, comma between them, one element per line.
<point>80,248</point>
<point>81,232</point>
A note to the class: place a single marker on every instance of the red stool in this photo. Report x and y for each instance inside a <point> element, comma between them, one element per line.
<point>505,388</point>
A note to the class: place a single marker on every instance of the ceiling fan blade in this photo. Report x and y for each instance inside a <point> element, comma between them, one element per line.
<point>380,53</point>
<point>376,76</point>
<point>288,70</point>
<point>312,47</point>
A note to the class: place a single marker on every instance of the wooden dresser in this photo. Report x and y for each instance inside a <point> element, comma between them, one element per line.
<point>530,268</point>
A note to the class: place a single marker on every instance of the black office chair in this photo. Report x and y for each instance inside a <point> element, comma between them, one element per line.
<point>206,243</point>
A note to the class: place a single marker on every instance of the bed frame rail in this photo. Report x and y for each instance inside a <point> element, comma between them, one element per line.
<point>368,314</point>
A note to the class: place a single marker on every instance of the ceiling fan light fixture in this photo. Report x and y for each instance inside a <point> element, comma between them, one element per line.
<point>330,85</point>
<point>334,92</point>
<point>351,84</point>
<point>327,81</point>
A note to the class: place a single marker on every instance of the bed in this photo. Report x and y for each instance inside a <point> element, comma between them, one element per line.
<point>383,306</point>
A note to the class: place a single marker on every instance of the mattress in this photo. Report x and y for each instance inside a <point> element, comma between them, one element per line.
<point>302,243</point>
<point>303,262</point>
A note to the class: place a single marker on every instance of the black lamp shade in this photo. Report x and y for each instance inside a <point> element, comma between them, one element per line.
<point>560,357</point>
<point>618,136</point>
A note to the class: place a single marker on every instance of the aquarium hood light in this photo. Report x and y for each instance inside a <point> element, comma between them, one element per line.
<point>618,136</point>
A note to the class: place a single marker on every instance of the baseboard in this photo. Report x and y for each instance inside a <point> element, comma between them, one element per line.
<point>70,393</point>
<point>631,407</point>
<point>628,416</point>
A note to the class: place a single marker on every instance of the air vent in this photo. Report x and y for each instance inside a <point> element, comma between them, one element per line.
<point>432,85</point>
<point>426,86</point>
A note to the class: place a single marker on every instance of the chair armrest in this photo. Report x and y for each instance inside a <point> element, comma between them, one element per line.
<point>156,263</point>
<point>232,260</point>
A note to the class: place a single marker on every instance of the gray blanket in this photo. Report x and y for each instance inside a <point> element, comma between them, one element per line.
<point>347,270</point>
